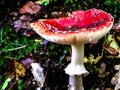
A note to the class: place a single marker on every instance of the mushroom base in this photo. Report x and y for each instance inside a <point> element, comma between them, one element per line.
<point>75,70</point>
<point>76,66</point>
<point>75,82</point>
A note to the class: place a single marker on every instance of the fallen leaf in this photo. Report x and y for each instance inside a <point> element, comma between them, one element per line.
<point>109,49</point>
<point>22,25</point>
<point>26,61</point>
<point>30,8</point>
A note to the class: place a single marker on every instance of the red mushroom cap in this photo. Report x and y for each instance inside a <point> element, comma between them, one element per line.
<point>79,27</point>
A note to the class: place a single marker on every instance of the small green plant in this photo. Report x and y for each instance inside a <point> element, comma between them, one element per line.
<point>115,5</point>
<point>44,2</point>
<point>14,47</point>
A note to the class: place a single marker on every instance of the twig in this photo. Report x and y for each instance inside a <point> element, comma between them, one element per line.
<point>14,48</point>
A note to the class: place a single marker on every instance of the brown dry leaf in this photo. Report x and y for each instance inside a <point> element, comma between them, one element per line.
<point>15,69</point>
<point>110,49</point>
<point>111,46</point>
<point>10,67</point>
<point>30,8</point>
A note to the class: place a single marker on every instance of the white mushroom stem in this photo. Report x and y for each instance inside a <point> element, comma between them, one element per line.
<point>77,54</point>
<point>76,67</point>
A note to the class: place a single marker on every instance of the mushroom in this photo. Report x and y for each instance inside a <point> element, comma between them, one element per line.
<point>77,29</point>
